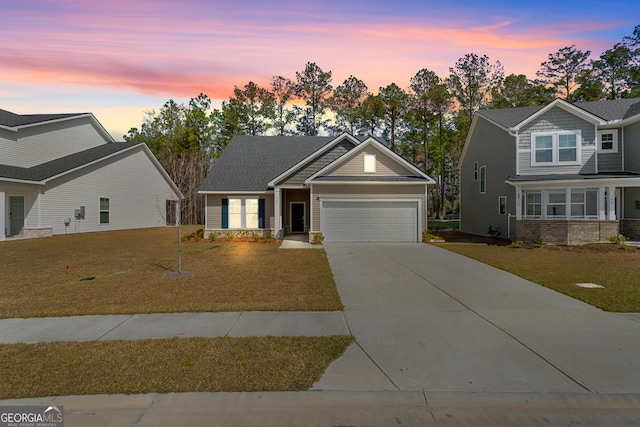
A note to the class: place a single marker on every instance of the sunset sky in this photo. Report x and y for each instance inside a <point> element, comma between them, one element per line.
<point>120,58</point>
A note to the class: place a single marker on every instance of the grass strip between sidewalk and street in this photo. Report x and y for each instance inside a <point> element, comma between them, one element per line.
<point>166,365</point>
<point>561,267</point>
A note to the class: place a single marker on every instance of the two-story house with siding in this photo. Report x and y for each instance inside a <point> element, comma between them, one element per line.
<point>64,173</point>
<point>561,173</point>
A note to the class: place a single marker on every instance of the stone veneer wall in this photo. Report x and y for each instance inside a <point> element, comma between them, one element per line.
<point>631,228</point>
<point>35,233</point>
<point>559,232</point>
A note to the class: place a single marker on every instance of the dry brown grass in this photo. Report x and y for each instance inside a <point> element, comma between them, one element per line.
<point>560,268</point>
<point>166,365</point>
<point>130,266</point>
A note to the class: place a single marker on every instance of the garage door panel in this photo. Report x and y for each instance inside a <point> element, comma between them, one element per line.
<point>353,221</point>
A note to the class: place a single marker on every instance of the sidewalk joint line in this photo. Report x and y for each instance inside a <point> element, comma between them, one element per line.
<point>234,324</point>
<point>114,328</point>
<point>377,365</point>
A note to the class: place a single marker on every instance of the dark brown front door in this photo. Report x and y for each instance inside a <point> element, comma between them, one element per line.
<point>297,217</point>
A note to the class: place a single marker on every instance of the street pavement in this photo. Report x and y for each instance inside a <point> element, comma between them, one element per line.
<point>440,340</point>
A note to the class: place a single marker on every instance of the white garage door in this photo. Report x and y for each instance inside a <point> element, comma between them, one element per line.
<point>350,221</point>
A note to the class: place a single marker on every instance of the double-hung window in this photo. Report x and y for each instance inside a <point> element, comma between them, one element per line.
<point>608,141</point>
<point>243,213</point>
<point>555,148</point>
<point>104,210</point>
<point>557,204</point>
<point>483,179</point>
<point>534,204</point>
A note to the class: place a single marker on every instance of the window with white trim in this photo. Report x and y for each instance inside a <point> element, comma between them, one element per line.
<point>475,171</point>
<point>608,141</point>
<point>369,163</point>
<point>534,204</point>
<point>235,213</point>
<point>555,148</point>
<point>502,205</point>
<point>483,179</point>
<point>557,204</point>
<point>251,213</point>
<point>584,203</point>
<point>242,213</point>
<point>105,210</point>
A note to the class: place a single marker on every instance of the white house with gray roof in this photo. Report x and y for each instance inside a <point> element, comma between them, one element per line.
<point>64,173</point>
<point>349,189</point>
<point>561,173</point>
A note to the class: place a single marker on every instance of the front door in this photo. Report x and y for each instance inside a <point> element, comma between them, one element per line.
<point>297,217</point>
<point>16,215</point>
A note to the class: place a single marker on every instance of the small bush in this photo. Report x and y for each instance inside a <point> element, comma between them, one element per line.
<point>537,243</point>
<point>614,240</point>
<point>213,236</point>
<point>255,236</point>
<point>516,244</point>
<point>228,234</point>
<point>494,232</point>
<point>428,237</point>
<point>318,238</point>
<point>195,236</point>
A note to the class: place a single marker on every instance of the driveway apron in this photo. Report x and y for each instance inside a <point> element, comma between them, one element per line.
<point>427,319</point>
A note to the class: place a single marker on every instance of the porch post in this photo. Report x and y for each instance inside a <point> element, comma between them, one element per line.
<point>3,224</point>
<point>518,203</point>
<point>277,210</point>
<point>602,203</point>
<point>611,203</point>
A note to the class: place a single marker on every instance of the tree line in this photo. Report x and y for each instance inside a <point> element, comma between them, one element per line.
<point>426,123</point>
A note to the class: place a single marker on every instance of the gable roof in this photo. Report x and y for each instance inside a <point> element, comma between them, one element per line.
<point>248,163</point>
<point>609,111</point>
<point>418,175</point>
<point>44,171</point>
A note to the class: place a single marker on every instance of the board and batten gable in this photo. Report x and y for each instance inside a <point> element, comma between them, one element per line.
<point>113,178</point>
<point>631,136</point>
<point>493,148</point>
<point>297,178</point>
<point>33,145</point>
<point>385,166</point>
<point>558,120</point>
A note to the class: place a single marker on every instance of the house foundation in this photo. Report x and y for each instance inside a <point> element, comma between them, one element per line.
<point>559,232</point>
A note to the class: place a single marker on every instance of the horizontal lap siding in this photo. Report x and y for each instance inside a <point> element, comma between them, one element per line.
<point>314,166</point>
<point>495,149</point>
<point>136,189</point>
<point>362,191</point>
<point>631,135</point>
<point>40,144</point>
<point>214,210</point>
<point>556,120</point>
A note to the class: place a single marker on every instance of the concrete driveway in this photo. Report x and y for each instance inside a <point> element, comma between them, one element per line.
<point>427,319</point>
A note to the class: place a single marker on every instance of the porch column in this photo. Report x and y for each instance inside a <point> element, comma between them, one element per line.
<point>518,203</point>
<point>3,210</point>
<point>277,211</point>
<point>611,203</point>
<point>602,204</point>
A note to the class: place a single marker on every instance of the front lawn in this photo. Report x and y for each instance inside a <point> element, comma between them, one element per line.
<point>42,277</point>
<point>562,267</point>
<point>166,365</point>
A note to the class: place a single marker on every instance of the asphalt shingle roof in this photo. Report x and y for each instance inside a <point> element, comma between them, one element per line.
<point>9,119</point>
<point>250,162</point>
<point>55,167</point>
<point>617,109</point>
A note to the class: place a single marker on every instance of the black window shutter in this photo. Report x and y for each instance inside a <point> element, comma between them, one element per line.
<point>261,213</point>
<point>225,213</point>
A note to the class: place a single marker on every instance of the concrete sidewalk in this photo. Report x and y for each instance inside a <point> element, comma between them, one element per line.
<point>139,326</point>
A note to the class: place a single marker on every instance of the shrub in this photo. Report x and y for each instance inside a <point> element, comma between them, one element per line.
<point>213,236</point>
<point>494,232</point>
<point>516,244</point>
<point>195,236</point>
<point>537,243</point>
<point>318,238</point>
<point>428,237</point>
<point>228,234</point>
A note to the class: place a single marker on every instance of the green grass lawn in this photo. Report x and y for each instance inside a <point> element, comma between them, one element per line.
<point>42,277</point>
<point>560,268</point>
<point>431,224</point>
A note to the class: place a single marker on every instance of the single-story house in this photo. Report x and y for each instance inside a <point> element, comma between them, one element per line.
<point>64,173</point>
<point>349,189</point>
